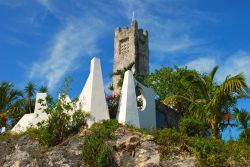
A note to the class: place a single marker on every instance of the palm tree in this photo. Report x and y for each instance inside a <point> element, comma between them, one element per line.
<point>242,117</point>
<point>209,101</point>
<point>43,89</point>
<point>29,91</point>
<point>8,96</point>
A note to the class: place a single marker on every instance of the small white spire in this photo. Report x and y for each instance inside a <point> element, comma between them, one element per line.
<point>133,16</point>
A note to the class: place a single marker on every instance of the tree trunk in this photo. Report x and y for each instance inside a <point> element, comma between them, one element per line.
<point>214,129</point>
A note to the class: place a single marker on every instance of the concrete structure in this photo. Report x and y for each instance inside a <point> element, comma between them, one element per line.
<point>130,46</point>
<point>33,119</point>
<point>127,110</point>
<point>92,98</point>
<point>147,112</point>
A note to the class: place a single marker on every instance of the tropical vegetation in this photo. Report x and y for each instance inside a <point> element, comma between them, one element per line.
<point>206,108</point>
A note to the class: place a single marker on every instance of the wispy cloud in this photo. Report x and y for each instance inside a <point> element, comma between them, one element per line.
<point>202,64</point>
<point>15,41</point>
<point>239,62</point>
<point>173,34</point>
<point>73,41</point>
<point>236,63</point>
<point>46,4</point>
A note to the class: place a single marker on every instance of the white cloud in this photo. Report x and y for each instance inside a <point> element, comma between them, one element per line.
<point>238,62</point>
<point>45,3</point>
<point>203,64</point>
<point>76,39</point>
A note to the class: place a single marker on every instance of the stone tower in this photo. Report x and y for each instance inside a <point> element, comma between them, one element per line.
<point>130,46</point>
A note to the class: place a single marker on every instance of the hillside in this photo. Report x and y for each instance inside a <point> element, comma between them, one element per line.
<point>112,144</point>
<point>27,151</point>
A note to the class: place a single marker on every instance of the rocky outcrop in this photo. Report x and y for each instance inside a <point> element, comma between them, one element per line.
<point>135,149</point>
<point>26,151</point>
<point>132,149</point>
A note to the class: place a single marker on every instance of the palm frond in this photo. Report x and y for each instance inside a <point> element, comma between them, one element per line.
<point>212,74</point>
<point>236,84</point>
<point>196,82</point>
<point>170,99</point>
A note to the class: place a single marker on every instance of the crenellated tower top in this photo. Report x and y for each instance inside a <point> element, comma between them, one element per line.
<point>130,46</point>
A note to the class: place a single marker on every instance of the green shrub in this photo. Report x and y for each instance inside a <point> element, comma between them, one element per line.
<point>245,136</point>
<point>96,153</point>
<point>78,120</point>
<point>169,136</point>
<point>104,129</point>
<point>8,135</point>
<point>192,127</point>
<point>170,140</point>
<point>209,152</point>
<point>239,152</point>
<point>59,125</point>
<point>55,129</point>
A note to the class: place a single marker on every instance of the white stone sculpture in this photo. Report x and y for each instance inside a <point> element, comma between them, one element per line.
<point>127,110</point>
<point>33,119</point>
<point>92,98</point>
<point>147,112</point>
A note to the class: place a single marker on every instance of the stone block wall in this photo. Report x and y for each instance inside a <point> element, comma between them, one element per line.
<point>130,46</point>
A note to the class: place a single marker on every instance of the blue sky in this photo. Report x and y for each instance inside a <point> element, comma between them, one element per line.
<point>44,41</point>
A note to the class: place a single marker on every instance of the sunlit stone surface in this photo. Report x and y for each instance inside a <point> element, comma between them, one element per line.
<point>147,113</point>
<point>127,111</point>
<point>33,119</point>
<point>92,98</point>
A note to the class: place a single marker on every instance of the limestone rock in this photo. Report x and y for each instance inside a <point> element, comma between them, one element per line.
<point>27,152</point>
<point>139,151</point>
<point>134,150</point>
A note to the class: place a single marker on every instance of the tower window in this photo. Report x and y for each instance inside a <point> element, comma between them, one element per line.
<point>124,46</point>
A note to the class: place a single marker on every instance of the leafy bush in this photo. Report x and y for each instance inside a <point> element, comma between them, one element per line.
<point>192,127</point>
<point>59,126</point>
<point>245,136</point>
<point>104,129</point>
<point>97,153</point>
<point>60,122</point>
<point>169,136</point>
<point>112,101</point>
<point>78,120</point>
<point>170,141</point>
<point>239,152</point>
<point>209,152</point>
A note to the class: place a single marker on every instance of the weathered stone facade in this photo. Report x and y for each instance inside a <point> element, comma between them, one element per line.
<point>130,46</point>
